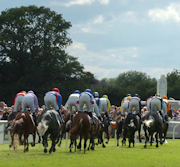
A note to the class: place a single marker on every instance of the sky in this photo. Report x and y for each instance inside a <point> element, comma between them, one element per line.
<point>111,37</point>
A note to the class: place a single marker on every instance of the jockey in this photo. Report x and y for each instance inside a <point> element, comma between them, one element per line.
<point>125,104</point>
<point>53,99</point>
<point>86,98</point>
<point>71,102</point>
<point>30,100</point>
<point>106,106</point>
<point>97,106</point>
<point>157,104</point>
<point>135,102</point>
<point>18,101</point>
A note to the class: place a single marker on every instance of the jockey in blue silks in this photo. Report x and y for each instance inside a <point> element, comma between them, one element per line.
<point>86,98</point>
<point>53,99</point>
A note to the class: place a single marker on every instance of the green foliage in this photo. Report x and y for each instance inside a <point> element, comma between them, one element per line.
<point>128,82</point>
<point>32,54</point>
<point>173,80</point>
<point>165,155</point>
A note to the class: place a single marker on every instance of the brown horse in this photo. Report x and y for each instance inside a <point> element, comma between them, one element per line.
<point>66,126</point>
<point>10,119</point>
<point>80,127</point>
<point>106,125</point>
<point>24,125</point>
<point>96,131</point>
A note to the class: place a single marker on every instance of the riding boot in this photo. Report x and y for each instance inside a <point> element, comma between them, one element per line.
<point>107,116</point>
<point>61,119</point>
<point>139,114</point>
<point>99,117</point>
<point>35,118</point>
<point>166,119</point>
<point>161,115</point>
<point>92,120</point>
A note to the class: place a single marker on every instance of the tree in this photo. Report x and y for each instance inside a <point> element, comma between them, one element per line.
<point>32,53</point>
<point>173,80</point>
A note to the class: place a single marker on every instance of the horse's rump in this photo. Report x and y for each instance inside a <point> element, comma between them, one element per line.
<point>48,120</point>
<point>81,123</point>
<point>23,122</point>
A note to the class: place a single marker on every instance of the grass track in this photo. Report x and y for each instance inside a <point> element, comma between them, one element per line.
<point>166,155</point>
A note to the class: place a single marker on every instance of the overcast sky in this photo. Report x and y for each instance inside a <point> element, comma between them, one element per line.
<point>115,36</point>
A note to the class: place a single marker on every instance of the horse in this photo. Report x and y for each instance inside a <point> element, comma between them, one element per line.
<point>49,124</point>
<point>106,125</point>
<point>119,128</point>
<point>24,125</point>
<point>165,125</point>
<point>66,126</point>
<point>81,126</point>
<point>96,130</point>
<point>153,123</point>
<point>132,124</point>
<point>10,119</point>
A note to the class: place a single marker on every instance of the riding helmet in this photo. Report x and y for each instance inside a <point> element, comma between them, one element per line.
<point>77,91</point>
<point>96,94</point>
<point>56,90</point>
<point>88,90</point>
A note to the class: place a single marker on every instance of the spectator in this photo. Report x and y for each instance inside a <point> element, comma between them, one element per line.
<point>6,113</point>
<point>2,105</point>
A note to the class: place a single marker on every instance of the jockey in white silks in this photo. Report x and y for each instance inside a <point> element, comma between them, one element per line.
<point>96,106</point>
<point>86,98</point>
<point>105,105</point>
<point>71,102</point>
<point>135,103</point>
<point>156,103</point>
<point>125,104</point>
<point>30,100</point>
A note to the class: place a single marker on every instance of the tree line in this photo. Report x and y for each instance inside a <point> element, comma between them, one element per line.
<point>32,57</point>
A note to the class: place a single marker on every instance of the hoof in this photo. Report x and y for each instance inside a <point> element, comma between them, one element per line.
<point>45,150</point>
<point>54,149</point>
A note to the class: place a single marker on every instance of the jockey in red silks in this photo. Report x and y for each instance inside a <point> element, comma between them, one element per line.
<point>18,101</point>
<point>86,98</point>
<point>30,100</point>
<point>54,99</point>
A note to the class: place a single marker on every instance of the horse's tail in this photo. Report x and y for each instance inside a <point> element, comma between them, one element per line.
<point>16,126</point>
<point>76,127</point>
<point>149,122</point>
<point>131,124</point>
<point>10,125</point>
<point>42,128</point>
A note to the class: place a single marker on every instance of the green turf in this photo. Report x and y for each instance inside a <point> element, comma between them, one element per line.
<point>166,155</point>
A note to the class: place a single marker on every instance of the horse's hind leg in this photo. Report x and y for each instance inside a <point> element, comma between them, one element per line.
<point>85,141</point>
<point>79,145</point>
<point>52,146</point>
<point>107,137</point>
<point>156,140</point>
